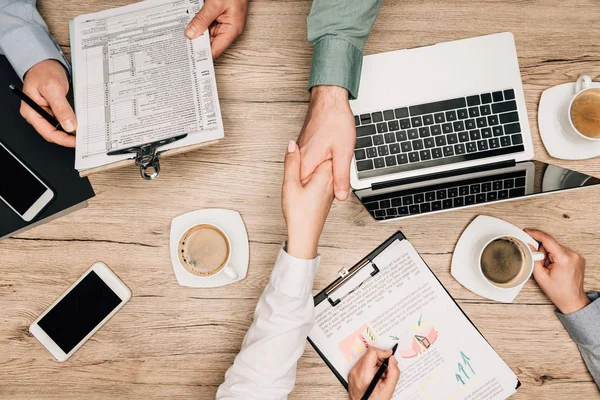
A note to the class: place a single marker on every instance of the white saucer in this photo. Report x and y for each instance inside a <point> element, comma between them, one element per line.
<point>465,263</point>
<point>232,224</point>
<point>558,135</point>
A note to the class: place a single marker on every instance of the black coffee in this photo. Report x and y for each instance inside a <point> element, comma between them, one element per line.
<point>502,261</point>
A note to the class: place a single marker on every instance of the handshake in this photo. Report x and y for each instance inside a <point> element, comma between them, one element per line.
<point>317,168</point>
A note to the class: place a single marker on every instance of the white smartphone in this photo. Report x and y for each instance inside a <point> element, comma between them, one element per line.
<point>81,310</point>
<point>20,188</point>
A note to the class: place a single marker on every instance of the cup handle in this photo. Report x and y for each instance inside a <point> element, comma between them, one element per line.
<point>584,82</point>
<point>230,272</point>
<point>537,256</point>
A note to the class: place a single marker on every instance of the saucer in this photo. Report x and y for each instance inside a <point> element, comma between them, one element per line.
<point>228,221</point>
<point>465,258</point>
<point>558,135</point>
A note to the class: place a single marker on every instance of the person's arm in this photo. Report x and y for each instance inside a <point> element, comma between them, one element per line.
<point>584,328</point>
<point>41,64</point>
<point>265,368</point>
<point>24,36</point>
<point>338,30</point>
<point>560,276</point>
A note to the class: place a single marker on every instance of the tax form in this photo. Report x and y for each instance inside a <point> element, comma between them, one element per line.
<point>138,79</point>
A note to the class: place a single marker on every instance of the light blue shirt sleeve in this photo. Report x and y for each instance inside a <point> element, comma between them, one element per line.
<point>584,328</point>
<point>24,36</point>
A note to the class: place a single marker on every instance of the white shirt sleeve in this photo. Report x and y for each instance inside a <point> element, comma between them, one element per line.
<point>265,367</point>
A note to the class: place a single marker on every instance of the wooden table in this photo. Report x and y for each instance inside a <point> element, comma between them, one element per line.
<point>177,342</point>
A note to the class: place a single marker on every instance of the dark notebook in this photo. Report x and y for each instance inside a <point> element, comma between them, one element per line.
<point>54,164</point>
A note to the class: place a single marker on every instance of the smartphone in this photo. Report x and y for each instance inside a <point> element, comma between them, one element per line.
<point>81,310</point>
<point>20,188</point>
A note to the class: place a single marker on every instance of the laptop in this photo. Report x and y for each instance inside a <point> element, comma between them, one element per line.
<point>445,127</point>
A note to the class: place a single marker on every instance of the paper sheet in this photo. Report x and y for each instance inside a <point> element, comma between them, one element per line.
<point>440,353</point>
<point>138,79</point>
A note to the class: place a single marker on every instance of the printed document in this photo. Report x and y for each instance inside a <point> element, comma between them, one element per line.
<point>138,79</point>
<point>441,354</point>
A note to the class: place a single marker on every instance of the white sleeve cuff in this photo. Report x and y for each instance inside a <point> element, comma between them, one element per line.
<point>294,276</point>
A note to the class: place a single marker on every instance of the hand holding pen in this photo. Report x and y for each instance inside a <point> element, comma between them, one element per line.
<point>45,105</point>
<point>374,376</point>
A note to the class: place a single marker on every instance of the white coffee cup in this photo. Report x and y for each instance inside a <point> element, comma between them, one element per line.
<point>583,83</point>
<point>223,268</point>
<point>529,258</point>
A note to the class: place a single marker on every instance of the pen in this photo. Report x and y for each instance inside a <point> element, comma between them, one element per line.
<point>378,375</point>
<point>36,107</point>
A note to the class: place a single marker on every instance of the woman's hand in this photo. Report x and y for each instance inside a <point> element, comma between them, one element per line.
<point>305,207</point>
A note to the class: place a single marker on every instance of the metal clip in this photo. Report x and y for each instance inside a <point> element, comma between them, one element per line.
<point>345,276</point>
<point>146,155</point>
<point>343,272</point>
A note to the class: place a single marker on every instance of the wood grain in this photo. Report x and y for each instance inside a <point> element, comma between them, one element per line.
<point>174,342</point>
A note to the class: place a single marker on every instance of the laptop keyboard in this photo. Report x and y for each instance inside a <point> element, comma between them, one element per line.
<point>439,133</point>
<point>446,196</point>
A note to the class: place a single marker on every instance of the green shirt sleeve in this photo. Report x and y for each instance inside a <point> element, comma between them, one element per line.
<point>338,30</point>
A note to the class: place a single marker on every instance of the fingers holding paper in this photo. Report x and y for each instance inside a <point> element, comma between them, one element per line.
<point>47,84</point>
<point>364,370</point>
<point>225,20</point>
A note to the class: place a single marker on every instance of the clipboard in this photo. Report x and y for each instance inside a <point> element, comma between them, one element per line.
<point>145,156</point>
<point>355,276</point>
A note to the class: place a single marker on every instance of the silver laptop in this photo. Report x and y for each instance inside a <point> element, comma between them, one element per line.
<point>444,127</point>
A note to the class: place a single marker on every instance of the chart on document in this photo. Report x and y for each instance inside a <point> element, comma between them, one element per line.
<point>138,79</point>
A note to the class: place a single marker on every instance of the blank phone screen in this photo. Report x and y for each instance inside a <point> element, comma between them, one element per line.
<point>79,312</point>
<point>18,187</point>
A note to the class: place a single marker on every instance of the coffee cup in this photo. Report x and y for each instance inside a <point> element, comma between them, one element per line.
<point>205,250</point>
<point>584,109</point>
<point>506,261</point>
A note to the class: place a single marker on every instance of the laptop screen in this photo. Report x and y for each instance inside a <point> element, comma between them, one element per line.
<point>470,188</point>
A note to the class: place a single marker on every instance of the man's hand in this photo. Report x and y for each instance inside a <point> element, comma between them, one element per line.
<point>560,274</point>
<point>364,370</point>
<point>47,84</point>
<point>226,20</point>
<point>329,133</point>
<point>305,206</point>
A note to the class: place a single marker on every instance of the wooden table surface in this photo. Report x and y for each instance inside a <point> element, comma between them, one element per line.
<point>177,342</point>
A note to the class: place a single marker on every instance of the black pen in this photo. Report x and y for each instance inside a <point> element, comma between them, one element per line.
<point>19,93</point>
<point>378,375</point>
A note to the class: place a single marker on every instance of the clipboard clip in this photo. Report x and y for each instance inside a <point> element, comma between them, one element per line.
<point>355,276</point>
<point>146,155</point>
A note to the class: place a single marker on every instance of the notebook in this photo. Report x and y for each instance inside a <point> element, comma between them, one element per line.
<point>52,163</point>
<point>392,297</point>
<point>137,79</point>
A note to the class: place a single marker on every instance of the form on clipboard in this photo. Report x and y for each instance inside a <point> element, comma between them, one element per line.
<point>391,296</point>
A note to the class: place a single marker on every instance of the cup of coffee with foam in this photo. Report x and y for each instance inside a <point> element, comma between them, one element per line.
<point>584,109</point>
<point>205,250</point>
<point>506,262</point>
